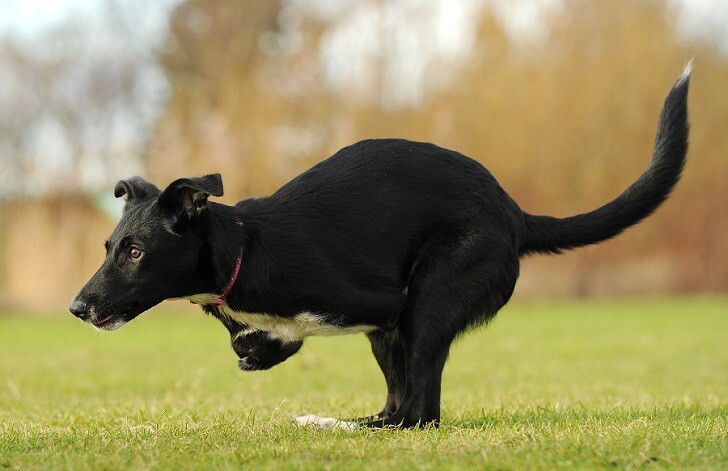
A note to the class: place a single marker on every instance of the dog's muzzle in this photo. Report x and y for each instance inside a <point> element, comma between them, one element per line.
<point>99,320</point>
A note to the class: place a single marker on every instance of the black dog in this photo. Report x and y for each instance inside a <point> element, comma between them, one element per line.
<point>408,242</point>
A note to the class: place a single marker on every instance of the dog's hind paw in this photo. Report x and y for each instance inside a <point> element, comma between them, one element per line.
<point>324,423</point>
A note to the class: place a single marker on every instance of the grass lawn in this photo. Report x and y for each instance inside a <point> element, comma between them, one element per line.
<point>587,384</point>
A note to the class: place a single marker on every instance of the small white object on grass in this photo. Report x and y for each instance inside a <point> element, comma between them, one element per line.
<point>324,423</point>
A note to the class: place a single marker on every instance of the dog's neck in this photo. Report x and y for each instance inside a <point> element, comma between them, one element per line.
<point>259,234</point>
<point>224,248</point>
<point>222,298</point>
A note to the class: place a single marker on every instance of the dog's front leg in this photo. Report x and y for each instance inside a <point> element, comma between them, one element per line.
<point>257,350</point>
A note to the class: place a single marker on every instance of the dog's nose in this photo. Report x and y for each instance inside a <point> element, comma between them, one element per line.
<point>79,308</point>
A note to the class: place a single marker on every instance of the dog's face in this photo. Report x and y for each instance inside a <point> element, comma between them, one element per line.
<point>152,253</point>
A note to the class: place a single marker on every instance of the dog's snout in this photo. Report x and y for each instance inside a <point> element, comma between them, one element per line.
<point>79,308</point>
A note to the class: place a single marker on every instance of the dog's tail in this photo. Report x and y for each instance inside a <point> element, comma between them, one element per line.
<point>546,234</point>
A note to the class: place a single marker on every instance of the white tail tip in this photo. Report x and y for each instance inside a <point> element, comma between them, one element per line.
<point>686,72</point>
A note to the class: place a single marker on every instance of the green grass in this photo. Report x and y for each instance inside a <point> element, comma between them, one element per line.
<point>586,384</point>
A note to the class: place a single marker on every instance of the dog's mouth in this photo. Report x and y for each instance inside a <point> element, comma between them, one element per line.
<point>115,321</point>
<point>104,320</point>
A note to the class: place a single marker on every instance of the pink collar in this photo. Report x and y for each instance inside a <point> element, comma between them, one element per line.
<point>220,300</point>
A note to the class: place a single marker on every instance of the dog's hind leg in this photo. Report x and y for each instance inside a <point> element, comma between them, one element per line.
<point>449,293</point>
<point>388,350</point>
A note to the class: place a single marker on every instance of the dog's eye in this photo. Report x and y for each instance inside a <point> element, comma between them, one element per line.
<point>135,253</point>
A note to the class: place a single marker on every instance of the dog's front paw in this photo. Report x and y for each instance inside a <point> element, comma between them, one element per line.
<point>250,363</point>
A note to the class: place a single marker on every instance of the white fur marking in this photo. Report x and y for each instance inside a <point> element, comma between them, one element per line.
<point>243,333</point>
<point>304,324</point>
<point>298,327</point>
<point>325,423</point>
<point>686,72</point>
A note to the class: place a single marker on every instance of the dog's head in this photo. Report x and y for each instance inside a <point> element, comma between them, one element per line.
<point>152,253</point>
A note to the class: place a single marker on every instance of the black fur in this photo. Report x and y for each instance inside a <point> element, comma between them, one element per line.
<point>418,241</point>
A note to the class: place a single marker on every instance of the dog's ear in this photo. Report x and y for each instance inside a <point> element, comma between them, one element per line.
<point>136,189</point>
<point>187,197</point>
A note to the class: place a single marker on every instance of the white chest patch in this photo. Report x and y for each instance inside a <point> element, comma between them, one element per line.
<point>298,327</point>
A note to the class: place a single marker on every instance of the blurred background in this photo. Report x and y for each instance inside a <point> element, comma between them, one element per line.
<point>558,98</point>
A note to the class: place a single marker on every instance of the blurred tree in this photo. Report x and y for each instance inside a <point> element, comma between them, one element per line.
<point>77,101</point>
<point>218,117</point>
